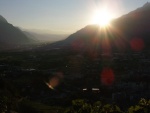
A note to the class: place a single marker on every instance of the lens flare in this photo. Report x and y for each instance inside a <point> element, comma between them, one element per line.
<point>107,76</point>
<point>55,80</point>
<point>137,44</point>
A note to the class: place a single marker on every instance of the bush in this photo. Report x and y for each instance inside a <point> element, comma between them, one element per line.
<point>80,106</point>
<point>142,107</point>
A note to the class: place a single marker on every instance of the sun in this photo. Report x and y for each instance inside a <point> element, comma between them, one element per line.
<point>102,17</point>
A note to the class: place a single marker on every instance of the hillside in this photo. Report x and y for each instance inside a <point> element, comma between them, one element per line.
<point>128,32</point>
<point>10,36</point>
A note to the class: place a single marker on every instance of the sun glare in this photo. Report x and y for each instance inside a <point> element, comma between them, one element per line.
<point>102,18</point>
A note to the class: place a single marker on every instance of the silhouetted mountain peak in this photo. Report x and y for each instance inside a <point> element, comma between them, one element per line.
<point>2,19</point>
<point>145,7</point>
<point>146,4</point>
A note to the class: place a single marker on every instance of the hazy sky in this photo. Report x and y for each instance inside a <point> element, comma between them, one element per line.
<point>60,16</point>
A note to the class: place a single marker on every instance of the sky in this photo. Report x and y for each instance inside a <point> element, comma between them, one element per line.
<point>61,16</point>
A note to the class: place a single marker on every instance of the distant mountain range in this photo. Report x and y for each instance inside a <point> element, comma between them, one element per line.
<point>44,37</point>
<point>12,37</point>
<point>129,32</point>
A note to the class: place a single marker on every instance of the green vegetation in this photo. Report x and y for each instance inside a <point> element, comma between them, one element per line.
<point>77,106</point>
<point>142,107</point>
<point>81,106</point>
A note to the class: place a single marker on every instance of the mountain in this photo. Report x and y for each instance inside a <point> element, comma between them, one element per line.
<point>2,19</point>
<point>128,32</point>
<point>135,22</point>
<point>11,37</point>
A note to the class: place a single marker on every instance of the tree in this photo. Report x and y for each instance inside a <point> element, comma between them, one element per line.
<point>142,107</point>
<point>97,106</point>
<point>108,108</point>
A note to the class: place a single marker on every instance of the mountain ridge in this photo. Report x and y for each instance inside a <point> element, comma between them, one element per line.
<point>10,36</point>
<point>2,19</point>
<point>134,25</point>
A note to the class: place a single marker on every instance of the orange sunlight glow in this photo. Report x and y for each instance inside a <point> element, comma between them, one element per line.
<point>102,17</point>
